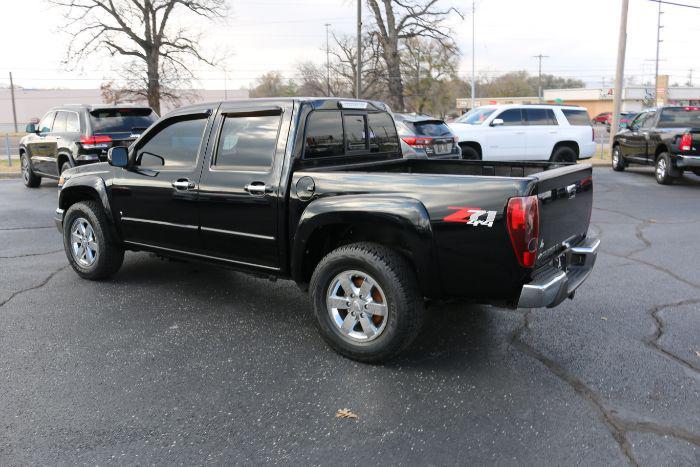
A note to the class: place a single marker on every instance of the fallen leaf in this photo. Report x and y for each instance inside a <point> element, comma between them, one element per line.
<point>345,413</point>
<point>604,318</point>
<point>652,221</point>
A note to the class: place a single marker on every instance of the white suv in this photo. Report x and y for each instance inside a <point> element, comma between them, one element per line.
<point>525,132</point>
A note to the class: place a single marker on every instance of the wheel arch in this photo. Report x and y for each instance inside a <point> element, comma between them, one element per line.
<point>474,145</point>
<point>63,156</point>
<point>79,189</point>
<point>660,149</point>
<point>573,145</point>
<point>399,223</point>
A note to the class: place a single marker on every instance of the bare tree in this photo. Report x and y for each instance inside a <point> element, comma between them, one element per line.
<point>344,66</point>
<point>398,20</point>
<point>141,30</point>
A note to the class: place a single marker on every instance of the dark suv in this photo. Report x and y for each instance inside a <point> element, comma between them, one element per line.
<point>72,135</point>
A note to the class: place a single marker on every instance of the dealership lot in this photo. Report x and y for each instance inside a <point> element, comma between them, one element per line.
<point>173,362</point>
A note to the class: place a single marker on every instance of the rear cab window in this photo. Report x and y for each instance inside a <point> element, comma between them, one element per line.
<point>116,120</point>
<point>352,134</point>
<point>577,117</point>
<point>679,117</point>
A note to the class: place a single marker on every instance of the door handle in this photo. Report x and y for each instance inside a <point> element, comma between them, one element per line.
<point>258,188</point>
<point>58,137</point>
<point>182,184</point>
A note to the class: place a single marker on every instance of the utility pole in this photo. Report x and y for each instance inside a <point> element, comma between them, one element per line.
<point>619,70</point>
<point>328,63</point>
<point>539,75</point>
<point>473,54</point>
<point>12,94</point>
<point>690,77</point>
<point>658,44</point>
<point>358,78</point>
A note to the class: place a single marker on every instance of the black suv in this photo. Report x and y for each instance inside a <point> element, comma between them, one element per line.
<point>72,135</point>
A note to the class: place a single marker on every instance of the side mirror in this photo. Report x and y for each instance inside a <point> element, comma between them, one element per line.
<point>629,127</point>
<point>497,122</point>
<point>118,156</point>
<point>30,128</point>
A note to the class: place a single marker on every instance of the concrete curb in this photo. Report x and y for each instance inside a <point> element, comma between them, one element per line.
<point>10,175</point>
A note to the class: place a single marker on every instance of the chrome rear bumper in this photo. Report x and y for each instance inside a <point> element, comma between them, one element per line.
<point>552,286</point>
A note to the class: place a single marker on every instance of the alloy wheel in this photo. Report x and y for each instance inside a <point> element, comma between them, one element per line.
<point>661,168</point>
<point>25,169</point>
<point>83,242</point>
<point>357,306</point>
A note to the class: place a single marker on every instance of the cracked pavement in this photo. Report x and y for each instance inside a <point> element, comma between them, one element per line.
<point>171,362</point>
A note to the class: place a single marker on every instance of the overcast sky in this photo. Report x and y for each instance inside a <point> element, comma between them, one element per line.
<point>579,36</point>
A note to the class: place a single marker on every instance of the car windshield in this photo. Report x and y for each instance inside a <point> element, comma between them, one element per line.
<point>680,117</point>
<point>476,116</point>
<point>121,120</point>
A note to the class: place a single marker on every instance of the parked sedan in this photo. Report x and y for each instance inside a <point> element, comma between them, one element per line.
<point>601,118</point>
<point>428,137</point>
<point>625,118</point>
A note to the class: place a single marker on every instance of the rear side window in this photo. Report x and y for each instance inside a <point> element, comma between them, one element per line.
<point>72,123</point>
<point>59,125</point>
<point>577,117</point>
<point>174,145</point>
<point>382,133</point>
<point>540,117</point>
<point>511,117</point>
<point>127,120</point>
<point>324,135</point>
<point>248,141</point>
<point>432,129</point>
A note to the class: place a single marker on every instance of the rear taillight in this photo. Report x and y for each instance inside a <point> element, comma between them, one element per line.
<point>411,141</point>
<point>523,221</point>
<point>686,142</point>
<point>95,141</point>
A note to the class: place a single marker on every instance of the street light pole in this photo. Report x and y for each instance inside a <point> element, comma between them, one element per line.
<point>473,54</point>
<point>658,44</point>
<point>619,70</point>
<point>539,76</point>
<point>358,78</point>
<point>328,63</point>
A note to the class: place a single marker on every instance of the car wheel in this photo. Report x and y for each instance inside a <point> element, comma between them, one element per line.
<point>664,169</point>
<point>563,154</point>
<point>30,179</point>
<point>618,162</point>
<point>90,246</point>
<point>65,166</point>
<point>367,303</point>
<point>469,153</point>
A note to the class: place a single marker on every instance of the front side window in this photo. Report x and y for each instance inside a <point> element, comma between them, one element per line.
<point>248,141</point>
<point>324,134</point>
<point>649,120</point>
<point>46,122</point>
<point>637,122</point>
<point>174,145</point>
<point>511,117</point>
<point>59,125</point>
<point>382,133</point>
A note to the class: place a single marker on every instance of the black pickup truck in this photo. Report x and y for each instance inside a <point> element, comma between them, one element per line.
<point>667,138</point>
<point>317,191</point>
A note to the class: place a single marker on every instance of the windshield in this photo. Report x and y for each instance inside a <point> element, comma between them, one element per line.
<point>679,117</point>
<point>126,120</point>
<point>476,116</point>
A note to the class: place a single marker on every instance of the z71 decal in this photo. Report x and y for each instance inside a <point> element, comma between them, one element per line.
<point>471,216</point>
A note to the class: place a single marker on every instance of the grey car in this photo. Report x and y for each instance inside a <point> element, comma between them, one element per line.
<point>428,137</point>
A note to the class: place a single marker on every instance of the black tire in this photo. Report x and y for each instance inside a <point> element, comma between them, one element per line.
<point>469,153</point>
<point>405,308</point>
<point>563,154</point>
<point>109,254</point>
<point>618,162</point>
<point>30,179</point>
<point>65,166</point>
<point>663,170</point>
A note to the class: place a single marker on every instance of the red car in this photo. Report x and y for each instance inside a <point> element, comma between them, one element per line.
<point>601,118</point>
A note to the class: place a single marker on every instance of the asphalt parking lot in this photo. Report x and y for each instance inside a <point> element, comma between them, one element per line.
<point>177,363</point>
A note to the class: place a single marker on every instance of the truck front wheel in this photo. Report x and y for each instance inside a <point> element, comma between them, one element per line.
<point>367,303</point>
<point>90,246</point>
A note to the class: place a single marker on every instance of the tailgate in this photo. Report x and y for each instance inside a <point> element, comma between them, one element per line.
<point>565,201</point>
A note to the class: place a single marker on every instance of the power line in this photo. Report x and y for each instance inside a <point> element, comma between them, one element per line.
<point>697,7</point>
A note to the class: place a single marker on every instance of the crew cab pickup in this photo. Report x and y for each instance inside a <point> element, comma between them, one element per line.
<point>317,191</point>
<point>667,138</point>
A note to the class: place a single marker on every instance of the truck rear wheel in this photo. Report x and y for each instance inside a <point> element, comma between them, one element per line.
<point>90,246</point>
<point>563,154</point>
<point>367,303</point>
<point>664,171</point>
